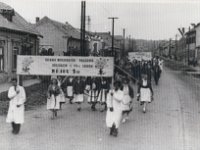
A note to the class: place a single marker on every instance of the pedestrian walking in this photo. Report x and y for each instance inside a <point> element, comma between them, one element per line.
<point>17,96</point>
<point>93,93</point>
<point>78,91</point>
<point>145,92</point>
<point>156,71</point>
<point>102,95</point>
<point>127,100</point>
<point>62,95</point>
<point>114,110</point>
<point>53,97</point>
<point>69,89</point>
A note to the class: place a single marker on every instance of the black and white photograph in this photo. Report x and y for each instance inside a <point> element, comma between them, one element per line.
<point>99,74</point>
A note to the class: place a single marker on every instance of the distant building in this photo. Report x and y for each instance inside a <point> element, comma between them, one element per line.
<point>193,43</point>
<point>61,37</point>
<point>168,49</point>
<point>16,37</point>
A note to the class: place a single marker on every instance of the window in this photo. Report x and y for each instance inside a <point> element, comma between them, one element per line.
<point>15,52</point>
<point>1,60</point>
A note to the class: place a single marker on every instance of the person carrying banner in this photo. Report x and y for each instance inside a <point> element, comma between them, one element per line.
<point>145,92</point>
<point>17,96</point>
<point>127,100</point>
<point>78,91</point>
<point>53,97</point>
<point>114,110</point>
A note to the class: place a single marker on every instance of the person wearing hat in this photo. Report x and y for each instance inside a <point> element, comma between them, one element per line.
<point>127,99</point>
<point>53,97</point>
<point>17,96</point>
<point>145,91</point>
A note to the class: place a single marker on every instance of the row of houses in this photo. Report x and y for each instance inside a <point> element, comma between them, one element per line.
<point>186,49</point>
<point>17,36</point>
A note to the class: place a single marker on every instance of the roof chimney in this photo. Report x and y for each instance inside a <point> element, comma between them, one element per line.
<point>37,19</point>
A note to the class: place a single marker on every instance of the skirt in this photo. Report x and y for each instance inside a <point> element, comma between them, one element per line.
<point>53,102</point>
<point>102,96</point>
<point>69,91</point>
<point>145,95</point>
<point>78,98</point>
<point>62,97</point>
<point>92,96</point>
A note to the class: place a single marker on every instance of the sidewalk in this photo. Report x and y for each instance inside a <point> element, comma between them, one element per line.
<point>5,86</point>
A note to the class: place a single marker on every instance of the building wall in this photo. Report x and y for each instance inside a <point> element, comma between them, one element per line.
<point>198,36</point>
<point>11,44</point>
<point>52,37</point>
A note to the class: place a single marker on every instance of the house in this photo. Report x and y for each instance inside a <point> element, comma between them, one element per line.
<point>16,37</point>
<point>168,48</point>
<point>193,43</point>
<point>61,37</point>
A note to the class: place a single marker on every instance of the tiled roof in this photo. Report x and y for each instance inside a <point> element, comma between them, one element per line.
<point>66,28</point>
<point>17,24</point>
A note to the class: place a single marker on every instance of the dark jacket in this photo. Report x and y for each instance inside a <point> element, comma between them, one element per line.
<point>79,87</point>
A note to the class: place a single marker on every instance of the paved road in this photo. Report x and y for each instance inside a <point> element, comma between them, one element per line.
<point>172,122</point>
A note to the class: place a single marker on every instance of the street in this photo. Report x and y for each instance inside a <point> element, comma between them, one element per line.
<point>171,123</point>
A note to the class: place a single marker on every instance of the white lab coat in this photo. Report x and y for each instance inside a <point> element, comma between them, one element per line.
<point>16,114</point>
<point>115,102</point>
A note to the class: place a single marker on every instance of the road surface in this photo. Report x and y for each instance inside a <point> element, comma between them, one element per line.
<point>172,122</point>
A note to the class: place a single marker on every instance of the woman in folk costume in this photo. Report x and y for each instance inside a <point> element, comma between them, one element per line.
<point>145,92</point>
<point>93,93</point>
<point>53,97</point>
<point>78,91</point>
<point>17,96</point>
<point>127,100</point>
<point>62,95</point>
<point>103,91</point>
<point>69,89</point>
<point>114,108</point>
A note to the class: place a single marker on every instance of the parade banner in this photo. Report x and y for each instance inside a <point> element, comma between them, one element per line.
<point>65,66</point>
<point>139,56</point>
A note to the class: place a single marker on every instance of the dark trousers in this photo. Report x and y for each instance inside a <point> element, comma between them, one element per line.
<point>16,128</point>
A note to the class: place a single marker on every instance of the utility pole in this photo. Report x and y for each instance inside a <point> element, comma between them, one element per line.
<point>129,43</point>
<point>176,46</point>
<point>170,48</point>
<point>82,44</point>
<point>188,42</point>
<point>123,43</point>
<point>113,22</point>
<point>89,23</point>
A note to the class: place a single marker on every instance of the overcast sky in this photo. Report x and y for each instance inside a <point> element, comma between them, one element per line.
<point>142,19</point>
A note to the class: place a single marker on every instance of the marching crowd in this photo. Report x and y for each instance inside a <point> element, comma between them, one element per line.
<point>114,95</point>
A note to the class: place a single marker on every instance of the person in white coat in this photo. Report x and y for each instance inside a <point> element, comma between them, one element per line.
<point>114,109</point>
<point>17,96</point>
